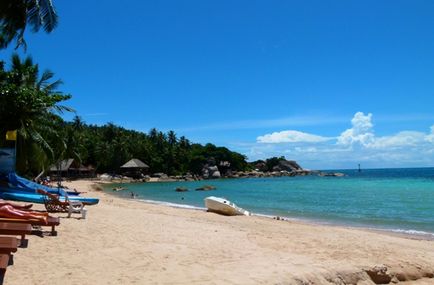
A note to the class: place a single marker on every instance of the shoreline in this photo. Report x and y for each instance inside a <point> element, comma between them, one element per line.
<point>124,241</point>
<point>410,233</point>
<point>413,234</point>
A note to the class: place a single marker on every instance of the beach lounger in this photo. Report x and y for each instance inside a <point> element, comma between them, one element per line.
<point>54,205</point>
<point>15,229</point>
<point>51,222</point>
<point>8,245</point>
<point>4,262</point>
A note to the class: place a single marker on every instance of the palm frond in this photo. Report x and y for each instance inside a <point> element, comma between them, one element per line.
<point>41,13</point>
<point>48,15</point>
<point>46,75</point>
<point>62,109</point>
<point>38,139</point>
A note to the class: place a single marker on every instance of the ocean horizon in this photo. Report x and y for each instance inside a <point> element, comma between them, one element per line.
<point>392,199</point>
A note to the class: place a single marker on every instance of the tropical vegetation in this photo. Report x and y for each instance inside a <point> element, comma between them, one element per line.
<point>109,146</point>
<point>31,103</point>
<point>16,15</point>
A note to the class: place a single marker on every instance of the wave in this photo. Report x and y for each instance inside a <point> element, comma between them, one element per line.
<point>414,232</point>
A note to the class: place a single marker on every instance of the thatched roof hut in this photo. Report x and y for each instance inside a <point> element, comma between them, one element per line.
<point>71,168</point>
<point>134,168</point>
<point>135,164</point>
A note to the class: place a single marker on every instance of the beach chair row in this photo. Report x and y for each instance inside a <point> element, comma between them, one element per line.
<point>9,243</point>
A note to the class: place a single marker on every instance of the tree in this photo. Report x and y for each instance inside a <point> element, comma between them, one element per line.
<point>29,103</point>
<point>16,15</point>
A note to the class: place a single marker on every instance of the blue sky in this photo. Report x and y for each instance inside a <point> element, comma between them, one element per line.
<point>260,77</point>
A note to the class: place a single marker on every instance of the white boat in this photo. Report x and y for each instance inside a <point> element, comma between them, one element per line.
<point>223,206</point>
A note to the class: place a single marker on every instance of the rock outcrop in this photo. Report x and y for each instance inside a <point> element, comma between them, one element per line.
<point>287,165</point>
<point>210,172</point>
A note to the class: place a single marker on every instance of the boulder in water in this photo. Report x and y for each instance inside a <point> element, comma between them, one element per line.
<point>181,189</point>
<point>206,188</point>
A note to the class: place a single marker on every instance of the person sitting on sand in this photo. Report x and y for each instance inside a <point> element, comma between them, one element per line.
<point>8,211</point>
<point>16,206</point>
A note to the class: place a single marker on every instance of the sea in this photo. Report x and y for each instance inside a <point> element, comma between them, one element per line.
<point>399,200</point>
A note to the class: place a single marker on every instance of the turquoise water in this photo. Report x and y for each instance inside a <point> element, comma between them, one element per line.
<point>391,199</point>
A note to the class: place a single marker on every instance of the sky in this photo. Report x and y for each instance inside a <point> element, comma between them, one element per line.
<point>330,84</point>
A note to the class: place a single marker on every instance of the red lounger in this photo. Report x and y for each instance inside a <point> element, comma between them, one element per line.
<point>8,245</point>
<point>15,229</point>
<point>4,262</point>
<point>51,222</point>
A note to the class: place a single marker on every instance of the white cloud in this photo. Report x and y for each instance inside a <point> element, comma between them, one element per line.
<point>401,139</point>
<point>361,132</point>
<point>358,144</point>
<point>430,137</point>
<point>291,136</point>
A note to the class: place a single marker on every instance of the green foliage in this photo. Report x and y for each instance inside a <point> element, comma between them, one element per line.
<point>268,164</point>
<point>16,15</point>
<point>29,103</point>
<point>108,147</point>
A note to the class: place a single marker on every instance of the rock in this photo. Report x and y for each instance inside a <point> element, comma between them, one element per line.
<point>213,168</point>
<point>146,178</point>
<point>261,166</point>
<point>287,165</point>
<point>181,189</point>
<point>119,188</point>
<point>105,177</point>
<point>379,275</point>
<point>160,175</point>
<point>205,173</point>
<point>166,179</point>
<point>206,188</point>
<point>330,174</point>
<point>210,172</point>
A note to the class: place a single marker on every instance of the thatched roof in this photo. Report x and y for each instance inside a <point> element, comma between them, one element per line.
<point>70,164</point>
<point>135,163</point>
<point>64,165</point>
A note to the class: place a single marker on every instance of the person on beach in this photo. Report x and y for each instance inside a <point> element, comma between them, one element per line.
<point>17,206</point>
<point>8,211</point>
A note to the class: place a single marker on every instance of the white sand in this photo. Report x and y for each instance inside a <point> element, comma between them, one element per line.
<point>129,242</point>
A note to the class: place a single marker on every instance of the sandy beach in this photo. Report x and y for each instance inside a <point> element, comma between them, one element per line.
<point>130,242</point>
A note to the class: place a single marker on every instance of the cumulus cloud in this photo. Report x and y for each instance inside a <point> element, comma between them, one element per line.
<point>357,144</point>
<point>291,137</point>
<point>361,131</point>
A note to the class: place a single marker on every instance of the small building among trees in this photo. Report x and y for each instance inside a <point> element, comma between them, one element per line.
<point>71,168</point>
<point>134,168</point>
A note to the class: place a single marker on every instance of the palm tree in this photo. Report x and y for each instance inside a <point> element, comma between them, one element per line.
<point>30,104</point>
<point>171,138</point>
<point>15,15</point>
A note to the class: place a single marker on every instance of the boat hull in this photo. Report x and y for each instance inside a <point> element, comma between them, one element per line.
<point>223,206</point>
<point>38,198</point>
<point>17,182</point>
